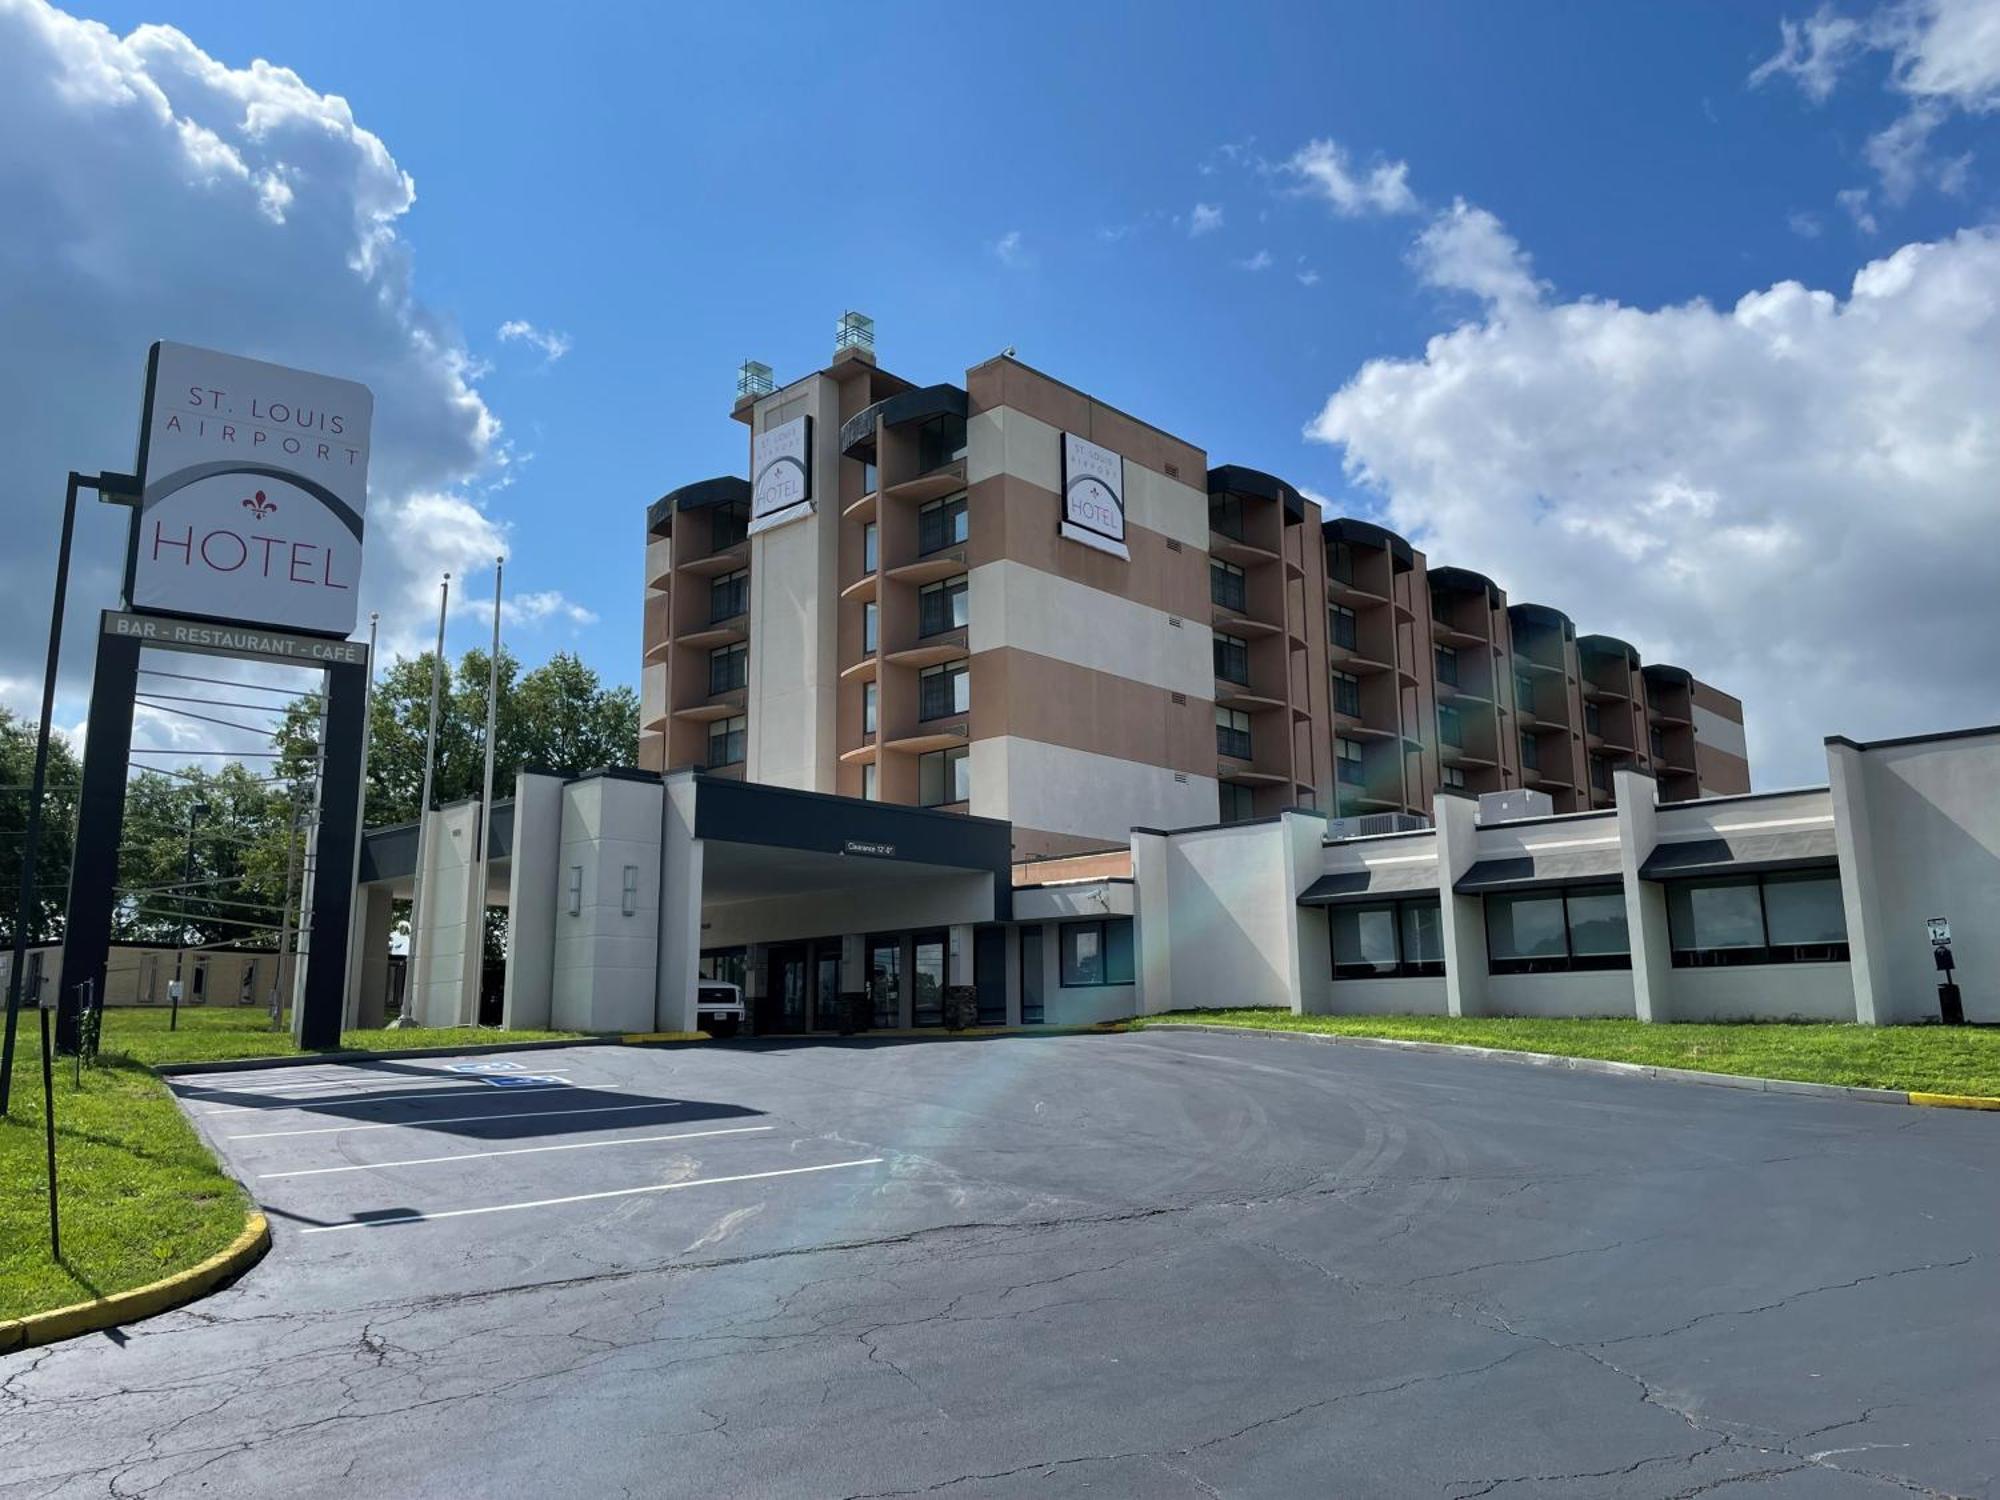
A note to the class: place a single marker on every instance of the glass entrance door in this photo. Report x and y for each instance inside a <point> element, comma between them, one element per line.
<point>1031,976</point>
<point>785,992</point>
<point>826,987</point>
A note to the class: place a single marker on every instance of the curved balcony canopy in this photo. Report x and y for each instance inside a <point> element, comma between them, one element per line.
<point>1543,615</point>
<point>1358,533</point>
<point>1464,581</point>
<point>724,489</point>
<point>1234,479</point>
<point>1665,675</point>
<point>857,433</point>
<point>1608,645</point>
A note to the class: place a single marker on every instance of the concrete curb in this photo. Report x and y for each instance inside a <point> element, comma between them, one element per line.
<point>145,1301</point>
<point>395,1054</point>
<point>1605,1065</point>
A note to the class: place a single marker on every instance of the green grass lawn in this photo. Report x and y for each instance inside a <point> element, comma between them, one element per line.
<point>214,1033</point>
<point>1926,1059</point>
<point>141,1196</point>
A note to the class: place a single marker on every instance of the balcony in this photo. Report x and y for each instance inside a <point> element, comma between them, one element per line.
<point>728,560</point>
<point>930,569</point>
<point>724,632</point>
<point>723,705</point>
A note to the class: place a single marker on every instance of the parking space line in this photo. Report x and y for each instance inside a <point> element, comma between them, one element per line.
<point>656,1187</point>
<point>393,1096</point>
<point>426,1161</point>
<point>512,1114</point>
<point>380,1084</point>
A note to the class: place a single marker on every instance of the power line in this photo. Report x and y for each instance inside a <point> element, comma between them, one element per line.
<point>263,730</point>
<point>231,682</point>
<point>262,708</point>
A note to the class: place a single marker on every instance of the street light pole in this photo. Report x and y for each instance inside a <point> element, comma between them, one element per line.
<point>413,954</point>
<point>195,810</point>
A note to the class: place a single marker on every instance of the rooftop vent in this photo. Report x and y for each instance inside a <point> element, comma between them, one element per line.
<point>1516,802</point>
<point>753,378</point>
<point>856,331</point>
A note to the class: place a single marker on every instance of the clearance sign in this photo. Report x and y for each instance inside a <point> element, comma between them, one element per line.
<point>254,487</point>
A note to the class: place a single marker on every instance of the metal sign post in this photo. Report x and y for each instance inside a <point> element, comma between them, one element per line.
<point>49,1129</point>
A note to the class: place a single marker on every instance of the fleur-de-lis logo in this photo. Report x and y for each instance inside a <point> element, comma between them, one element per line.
<point>258,506</point>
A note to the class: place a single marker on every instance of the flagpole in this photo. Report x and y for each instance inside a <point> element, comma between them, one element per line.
<point>413,962</point>
<point>486,796</point>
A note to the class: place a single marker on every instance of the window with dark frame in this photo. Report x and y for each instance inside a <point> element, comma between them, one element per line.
<point>1346,694</point>
<point>1225,514</point>
<point>727,739</point>
<point>940,440</point>
<point>1562,930</point>
<point>944,777</point>
<point>1530,757</point>
<point>728,668</point>
<point>1524,695</point>
<point>1226,588</point>
<point>1232,733</point>
<point>941,524</point>
<point>870,617</point>
<point>1593,719</point>
<point>1347,761</point>
<point>728,596</point>
<point>941,606</point>
<point>1450,731</point>
<point>1340,626</point>
<point>728,525</point>
<point>1340,562</point>
<point>944,690</point>
<point>1600,773</point>
<point>1757,919</point>
<point>1096,953</point>
<point>870,555</point>
<point>1387,940</point>
<point>885,980</point>
<point>927,979</point>
<point>1659,743</point>
<point>1452,778</point>
<point>1447,665</point>
<point>1232,659</point>
<point>1238,802</point>
<point>869,699</point>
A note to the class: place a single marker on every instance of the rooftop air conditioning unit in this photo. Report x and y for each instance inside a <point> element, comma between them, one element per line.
<point>1367,824</point>
<point>1517,802</point>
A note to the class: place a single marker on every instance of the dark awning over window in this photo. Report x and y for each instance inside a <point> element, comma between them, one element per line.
<point>1548,867</point>
<point>1743,854</point>
<point>1373,883</point>
<point>857,433</point>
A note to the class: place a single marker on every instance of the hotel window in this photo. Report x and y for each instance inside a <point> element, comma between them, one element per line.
<point>941,440</point>
<point>1340,626</point>
<point>941,524</point>
<point>729,596</point>
<point>1452,778</point>
<point>944,776</point>
<point>1347,694</point>
<point>868,702</point>
<point>943,690</point>
<point>927,974</point>
<point>1659,742</point>
<point>1340,562</point>
<point>1530,757</point>
<point>1225,514</point>
<point>870,479</point>
<point>1593,718</point>
<point>941,606</point>
<point>1225,585</point>
<point>1232,733</point>
<point>1392,940</point>
<point>1232,659</point>
<point>726,739</point>
<point>870,553</point>
<point>1770,919</point>
<point>727,668</point>
<point>1449,730</point>
<point>1524,694</point>
<point>1095,953</point>
<point>1447,665</point>
<point>1239,803</point>
<point>871,789</point>
<point>868,631</point>
<point>1600,773</point>
<point>1347,755</point>
<point>728,525</point>
<point>1557,932</point>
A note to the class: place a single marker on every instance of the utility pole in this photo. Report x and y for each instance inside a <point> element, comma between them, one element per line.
<point>413,962</point>
<point>486,797</point>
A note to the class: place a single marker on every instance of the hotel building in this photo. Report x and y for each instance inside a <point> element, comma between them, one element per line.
<point>1010,599</point>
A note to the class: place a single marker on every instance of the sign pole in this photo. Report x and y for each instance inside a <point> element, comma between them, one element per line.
<point>412,960</point>
<point>49,1125</point>
<point>486,797</point>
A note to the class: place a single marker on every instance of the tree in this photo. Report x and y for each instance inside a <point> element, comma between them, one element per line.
<point>558,717</point>
<point>58,843</point>
<point>232,891</point>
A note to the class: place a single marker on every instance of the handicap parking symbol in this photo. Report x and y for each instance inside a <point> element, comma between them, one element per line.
<point>483,1067</point>
<point>525,1081</point>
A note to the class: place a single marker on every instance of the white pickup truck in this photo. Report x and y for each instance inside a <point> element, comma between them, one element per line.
<point>718,1007</point>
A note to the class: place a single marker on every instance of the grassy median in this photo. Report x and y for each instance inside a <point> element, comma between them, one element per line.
<point>141,1196</point>
<point>1927,1059</point>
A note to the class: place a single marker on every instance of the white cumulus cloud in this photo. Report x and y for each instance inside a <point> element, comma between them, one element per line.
<point>1793,496</point>
<point>149,191</point>
<point>553,345</point>
<point>1321,169</point>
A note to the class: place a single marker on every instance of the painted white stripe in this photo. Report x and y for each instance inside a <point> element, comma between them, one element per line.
<point>391,1096</point>
<point>657,1187</point>
<point>512,1114</point>
<point>429,1161</point>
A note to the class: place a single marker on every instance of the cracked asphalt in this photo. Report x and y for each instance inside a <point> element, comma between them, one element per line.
<point>1153,1265</point>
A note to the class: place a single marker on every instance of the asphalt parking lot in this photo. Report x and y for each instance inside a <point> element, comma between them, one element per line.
<point>1154,1265</point>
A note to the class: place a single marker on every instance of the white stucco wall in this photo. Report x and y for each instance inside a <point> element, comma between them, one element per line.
<point>1764,992</point>
<point>532,890</point>
<point>1604,992</point>
<point>606,958</point>
<point>1038,785</point>
<point>927,900</point>
<point>1384,997</point>
<point>1232,923</point>
<point>1005,440</point>
<point>1013,605</point>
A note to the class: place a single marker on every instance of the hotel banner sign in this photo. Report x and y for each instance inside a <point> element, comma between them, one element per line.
<point>254,488</point>
<point>1093,496</point>
<point>781,475</point>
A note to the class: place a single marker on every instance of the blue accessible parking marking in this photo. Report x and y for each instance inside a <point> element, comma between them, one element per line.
<point>483,1067</point>
<point>526,1081</point>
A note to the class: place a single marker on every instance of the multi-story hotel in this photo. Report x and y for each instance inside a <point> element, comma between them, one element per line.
<point>1010,599</point>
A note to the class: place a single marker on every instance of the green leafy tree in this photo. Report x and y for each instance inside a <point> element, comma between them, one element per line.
<point>204,856</point>
<point>58,845</point>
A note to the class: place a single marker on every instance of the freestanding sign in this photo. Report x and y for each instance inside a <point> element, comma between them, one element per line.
<point>781,475</point>
<point>255,488</point>
<point>1094,496</point>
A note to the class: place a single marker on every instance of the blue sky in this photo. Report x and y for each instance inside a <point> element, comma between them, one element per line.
<point>674,189</point>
